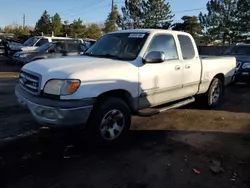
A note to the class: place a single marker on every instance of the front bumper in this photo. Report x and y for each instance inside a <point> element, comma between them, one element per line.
<point>54,113</point>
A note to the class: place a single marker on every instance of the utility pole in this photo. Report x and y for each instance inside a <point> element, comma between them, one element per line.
<point>112,5</point>
<point>24,20</point>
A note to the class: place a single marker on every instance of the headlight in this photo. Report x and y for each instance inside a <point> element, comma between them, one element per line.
<point>61,87</point>
<point>23,55</point>
<point>246,66</point>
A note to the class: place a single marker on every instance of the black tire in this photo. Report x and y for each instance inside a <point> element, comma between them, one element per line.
<point>102,109</point>
<point>233,82</point>
<point>248,81</point>
<point>208,96</point>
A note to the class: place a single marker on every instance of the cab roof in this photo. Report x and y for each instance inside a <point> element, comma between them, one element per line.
<point>149,31</point>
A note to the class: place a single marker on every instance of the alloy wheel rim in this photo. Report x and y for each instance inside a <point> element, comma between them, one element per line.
<point>216,93</point>
<point>112,124</point>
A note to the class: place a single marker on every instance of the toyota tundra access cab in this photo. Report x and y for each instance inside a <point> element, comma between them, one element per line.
<point>121,74</point>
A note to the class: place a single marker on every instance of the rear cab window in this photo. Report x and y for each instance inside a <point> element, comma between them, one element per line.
<point>187,47</point>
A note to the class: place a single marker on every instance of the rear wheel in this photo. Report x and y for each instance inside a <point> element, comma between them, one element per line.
<point>109,121</point>
<point>214,94</point>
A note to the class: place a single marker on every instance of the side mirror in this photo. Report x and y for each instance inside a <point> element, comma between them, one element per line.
<point>154,57</point>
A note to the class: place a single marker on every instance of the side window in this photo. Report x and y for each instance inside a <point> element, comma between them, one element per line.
<point>166,44</point>
<point>42,41</point>
<point>59,47</point>
<point>187,47</point>
<point>72,47</point>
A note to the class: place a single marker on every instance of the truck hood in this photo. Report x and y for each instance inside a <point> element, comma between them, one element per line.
<point>84,68</point>
<point>15,46</point>
<point>22,48</point>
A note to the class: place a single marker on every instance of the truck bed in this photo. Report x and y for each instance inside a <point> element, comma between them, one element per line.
<point>214,57</point>
<point>211,65</point>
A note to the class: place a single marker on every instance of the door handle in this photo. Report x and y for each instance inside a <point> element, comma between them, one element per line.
<point>177,67</point>
<point>187,66</point>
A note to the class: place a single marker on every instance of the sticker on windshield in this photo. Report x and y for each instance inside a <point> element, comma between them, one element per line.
<point>136,35</point>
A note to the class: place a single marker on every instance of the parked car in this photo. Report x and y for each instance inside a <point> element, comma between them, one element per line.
<point>2,50</point>
<point>87,43</point>
<point>242,54</point>
<point>49,50</point>
<point>118,76</point>
<point>34,42</point>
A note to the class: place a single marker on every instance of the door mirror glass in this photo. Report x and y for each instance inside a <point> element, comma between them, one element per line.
<point>154,57</point>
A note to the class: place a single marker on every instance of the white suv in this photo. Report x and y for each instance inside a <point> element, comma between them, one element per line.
<point>34,42</point>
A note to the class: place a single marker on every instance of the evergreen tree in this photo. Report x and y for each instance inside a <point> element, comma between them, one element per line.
<point>156,14</point>
<point>110,24</point>
<point>56,24</point>
<point>131,15</point>
<point>190,25</point>
<point>78,29</point>
<point>243,16</point>
<point>43,25</point>
<point>93,31</point>
<point>221,21</point>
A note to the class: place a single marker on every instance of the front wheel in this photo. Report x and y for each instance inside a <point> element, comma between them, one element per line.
<point>110,120</point>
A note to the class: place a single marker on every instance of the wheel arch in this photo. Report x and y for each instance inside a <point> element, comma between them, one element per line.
<point>121,94</point>
<point>221,77</point>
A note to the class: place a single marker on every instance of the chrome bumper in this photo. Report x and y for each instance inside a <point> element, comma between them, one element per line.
<point>55,116</point>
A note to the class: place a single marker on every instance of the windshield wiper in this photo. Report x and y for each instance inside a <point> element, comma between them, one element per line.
<point>88,54</point>
<point>108,56</point>
<point>102,55</point>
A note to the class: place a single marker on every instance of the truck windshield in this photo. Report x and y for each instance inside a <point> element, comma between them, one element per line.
<point>122,46</point>
<point>31,41</point>
<point>238,50</point>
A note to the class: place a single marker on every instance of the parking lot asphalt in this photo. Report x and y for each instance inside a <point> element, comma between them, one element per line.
<point>187,147</point>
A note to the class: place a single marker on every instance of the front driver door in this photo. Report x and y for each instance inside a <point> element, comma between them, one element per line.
<point>161,82</point>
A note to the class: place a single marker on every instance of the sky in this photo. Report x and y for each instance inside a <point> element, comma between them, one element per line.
<point>90,11</point>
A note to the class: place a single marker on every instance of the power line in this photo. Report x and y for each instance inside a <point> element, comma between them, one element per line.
<point>98,1</point>
<point>189,10</point>
<point>107,5</point>
<point>83,7</point>
<point>76,8</point>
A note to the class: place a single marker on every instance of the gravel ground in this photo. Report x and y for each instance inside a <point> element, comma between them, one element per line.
<point>187,147</point>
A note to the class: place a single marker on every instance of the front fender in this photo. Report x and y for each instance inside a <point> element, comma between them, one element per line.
<point>94,88</point>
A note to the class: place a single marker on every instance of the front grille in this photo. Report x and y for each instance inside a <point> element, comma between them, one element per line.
<point>29,82</point>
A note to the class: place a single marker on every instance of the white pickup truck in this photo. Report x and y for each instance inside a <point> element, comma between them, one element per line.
<point>121,74</point>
